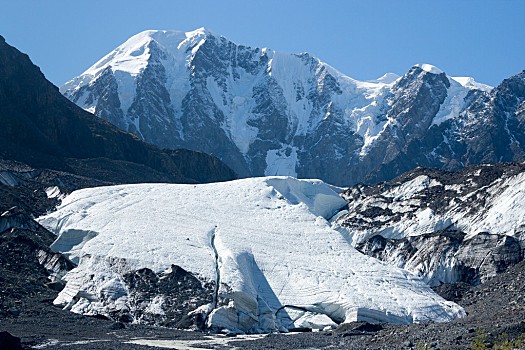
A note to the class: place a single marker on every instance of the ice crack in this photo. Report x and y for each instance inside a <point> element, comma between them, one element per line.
<point>213,235</point>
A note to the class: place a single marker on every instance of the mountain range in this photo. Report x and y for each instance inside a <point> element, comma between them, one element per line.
<point>264,112</point>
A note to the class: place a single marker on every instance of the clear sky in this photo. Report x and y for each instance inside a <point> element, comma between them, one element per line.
<point>363,39</point>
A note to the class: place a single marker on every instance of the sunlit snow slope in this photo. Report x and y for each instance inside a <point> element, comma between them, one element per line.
<point>265,241</point>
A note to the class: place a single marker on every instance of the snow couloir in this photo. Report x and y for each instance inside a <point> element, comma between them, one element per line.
<point>266,243</point>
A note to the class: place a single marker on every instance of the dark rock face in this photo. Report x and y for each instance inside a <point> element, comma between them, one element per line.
<point>28,268</point>
<point>499,140</point>
<point>166,299</point>
<point>43,129</point>
<point>200,166</point>
<point>9,342</point>
<point>22,275</point>
<point>441,225</point>
<point>447,257</point>
<point>266,113</point>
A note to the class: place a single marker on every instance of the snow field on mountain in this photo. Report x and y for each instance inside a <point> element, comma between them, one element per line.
<point>267,241</point>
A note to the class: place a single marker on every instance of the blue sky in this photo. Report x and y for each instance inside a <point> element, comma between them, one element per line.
<point>363,39</point>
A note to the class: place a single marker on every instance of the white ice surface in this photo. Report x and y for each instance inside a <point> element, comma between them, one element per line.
<point>429,68</point>
<point>280,263</point>
<point>470,83</point>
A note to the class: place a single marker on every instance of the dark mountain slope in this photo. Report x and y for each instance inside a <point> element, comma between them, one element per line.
<point>42,128</point>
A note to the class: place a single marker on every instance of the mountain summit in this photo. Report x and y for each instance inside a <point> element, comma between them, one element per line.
<point>269,113</point>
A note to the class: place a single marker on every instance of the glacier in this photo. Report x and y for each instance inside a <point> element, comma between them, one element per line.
<point>265,244</point>
<point>445,227</point>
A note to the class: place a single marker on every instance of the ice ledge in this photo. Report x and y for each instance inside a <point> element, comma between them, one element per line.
<point>265,243</point>
<point>320,198</point>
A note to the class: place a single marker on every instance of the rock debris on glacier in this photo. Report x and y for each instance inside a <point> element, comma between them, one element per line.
<point>446,227</point>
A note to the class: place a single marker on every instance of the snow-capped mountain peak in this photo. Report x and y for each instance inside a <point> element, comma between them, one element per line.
<point>271,113</point>
<point>133,55</point>
<point>470,83</point>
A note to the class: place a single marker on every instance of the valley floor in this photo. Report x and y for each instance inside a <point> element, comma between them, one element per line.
<point>494,308</point>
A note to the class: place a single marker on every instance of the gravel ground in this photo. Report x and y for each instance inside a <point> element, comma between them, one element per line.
<point>496,307</point>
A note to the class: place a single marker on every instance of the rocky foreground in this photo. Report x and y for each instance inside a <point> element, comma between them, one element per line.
<point>494,309</point>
